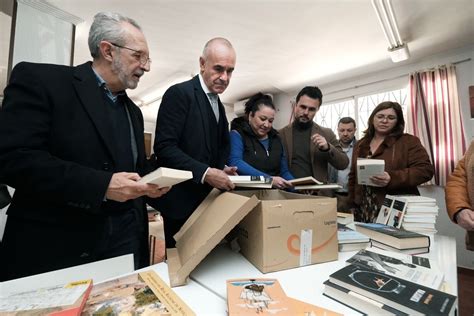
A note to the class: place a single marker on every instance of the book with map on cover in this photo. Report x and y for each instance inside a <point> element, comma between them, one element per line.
<point>143,293</point>
<point>400,265</point>
<point>166,177</point>
<point>61,300</point>
<point>260,182</point>
<point>257,296</point>
<point>403,295</point>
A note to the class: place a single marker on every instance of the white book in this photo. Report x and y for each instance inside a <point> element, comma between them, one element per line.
<point>252,181</point>
<point>305,181</point>
<point>411,268</point>
<point>385,209</point>
<point>166,177</point>
<point>367,168</point>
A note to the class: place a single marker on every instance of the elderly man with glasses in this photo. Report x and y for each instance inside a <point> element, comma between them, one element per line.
<point>72,147</point>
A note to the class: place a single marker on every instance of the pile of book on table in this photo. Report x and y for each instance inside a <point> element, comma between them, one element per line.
<point>410,212</point>
<point>266,297</point>
<point>394,239</point>
<point>347,237</point>
<point>378,282</point>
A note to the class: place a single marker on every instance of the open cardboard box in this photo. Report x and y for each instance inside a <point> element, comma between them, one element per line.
<point>309,219</point>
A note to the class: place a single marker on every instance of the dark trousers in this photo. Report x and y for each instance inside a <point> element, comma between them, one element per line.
<point>30,247</point>
<point>171,226</point>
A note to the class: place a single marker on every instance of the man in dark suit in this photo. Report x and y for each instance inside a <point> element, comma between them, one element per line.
<point>192,134</point>
<point>72,147</point>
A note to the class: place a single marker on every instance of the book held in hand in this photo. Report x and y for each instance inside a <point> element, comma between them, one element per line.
<point>367,168</point>
<point>310,183</point>
<point>68,299</point>
<point>397,238</point>
<point>409,297</point>
<point>260,182</point>
<point>166,177</point>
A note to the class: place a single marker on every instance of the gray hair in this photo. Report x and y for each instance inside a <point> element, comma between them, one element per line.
<point>107,26</point>
<point>220,40</point>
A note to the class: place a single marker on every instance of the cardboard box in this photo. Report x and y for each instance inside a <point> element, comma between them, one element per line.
<point>288,230</point>
<point>272,242</point>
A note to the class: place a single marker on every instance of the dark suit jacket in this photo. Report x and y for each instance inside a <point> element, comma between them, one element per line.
<point>183,141</point>
<point>57,150</point>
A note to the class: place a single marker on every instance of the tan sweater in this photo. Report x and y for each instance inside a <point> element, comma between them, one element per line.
<point>460,190</point>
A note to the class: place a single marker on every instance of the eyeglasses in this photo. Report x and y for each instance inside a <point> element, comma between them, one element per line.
<point>140,56</point>
<point>382,117</point>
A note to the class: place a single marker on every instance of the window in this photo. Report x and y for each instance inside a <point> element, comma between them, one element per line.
<point>330,113</point>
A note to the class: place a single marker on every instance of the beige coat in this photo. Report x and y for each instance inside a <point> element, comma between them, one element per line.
<point>460,190</point>
<point>319,159</point>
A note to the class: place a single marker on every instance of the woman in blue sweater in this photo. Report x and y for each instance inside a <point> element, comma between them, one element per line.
<point>255,147</point>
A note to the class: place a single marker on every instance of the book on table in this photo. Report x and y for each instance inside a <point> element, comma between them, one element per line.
<point>397,212</point>
<point>367,168</point>
<point>408,251</point>
<point>385,209</point>
<point>257,296</point>
<point>166,177</point>
<point>357,302</point>
<point>61,300</point>
<point>349,239</point>
<point>392,236</point>
<point>311,183</point>
<point>144,291</point>
<point>408,297</point>
<point>345,218</point>
<point>411,268</point>
<point>260,182</point>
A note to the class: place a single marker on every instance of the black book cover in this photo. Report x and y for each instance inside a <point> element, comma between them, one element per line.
<point>398,293</point>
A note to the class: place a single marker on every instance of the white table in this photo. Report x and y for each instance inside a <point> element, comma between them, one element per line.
<point>305,283</point>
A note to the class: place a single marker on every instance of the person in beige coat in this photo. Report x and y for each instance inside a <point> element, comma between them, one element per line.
<point>311,147</point>
<point>460,195</point>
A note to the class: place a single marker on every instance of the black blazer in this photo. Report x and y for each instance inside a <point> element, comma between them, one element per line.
<point>57,150</point>
<point>183,141</point>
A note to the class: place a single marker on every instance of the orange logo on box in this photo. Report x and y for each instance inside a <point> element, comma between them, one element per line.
<point>296,251</point>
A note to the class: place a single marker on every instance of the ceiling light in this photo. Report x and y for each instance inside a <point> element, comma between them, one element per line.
<point>398,50</point>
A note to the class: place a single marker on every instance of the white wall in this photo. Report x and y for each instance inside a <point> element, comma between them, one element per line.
<point>391,78</point>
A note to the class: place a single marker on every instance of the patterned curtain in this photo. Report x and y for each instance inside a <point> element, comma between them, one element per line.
<point>434,116</point>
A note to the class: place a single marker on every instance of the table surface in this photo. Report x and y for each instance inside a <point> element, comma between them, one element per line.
<point>305,283</point>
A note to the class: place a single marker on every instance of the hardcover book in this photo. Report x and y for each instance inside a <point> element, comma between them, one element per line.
<point>357,302</point>
<point>142,293</point>
<point>408,251</point>
<point>257,296</point>
<point>350,240</point>
<point>60,300</point>
<point>406,296</point>
<point>166,177</point>
<point>399,265</point>
<point>260,182</point>
<point>392,236</point>
<point>367,168</point>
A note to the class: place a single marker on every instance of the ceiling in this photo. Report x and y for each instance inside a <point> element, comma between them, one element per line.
<point>281,45</point>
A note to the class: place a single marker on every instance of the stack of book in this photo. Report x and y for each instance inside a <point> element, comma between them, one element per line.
<point>266,297</point>
<point>410,212</point>
<point>420,214</point>
<point>383,284</point>
<point>349,239</point>
<point>394,239</point>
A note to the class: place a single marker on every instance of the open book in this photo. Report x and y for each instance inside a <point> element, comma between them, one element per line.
<point>310,183</point>
<point>251,181</point>
<point>166,177</point>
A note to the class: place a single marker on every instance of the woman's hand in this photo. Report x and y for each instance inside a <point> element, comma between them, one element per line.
<point>382,180</point>
<point>280,183</point>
